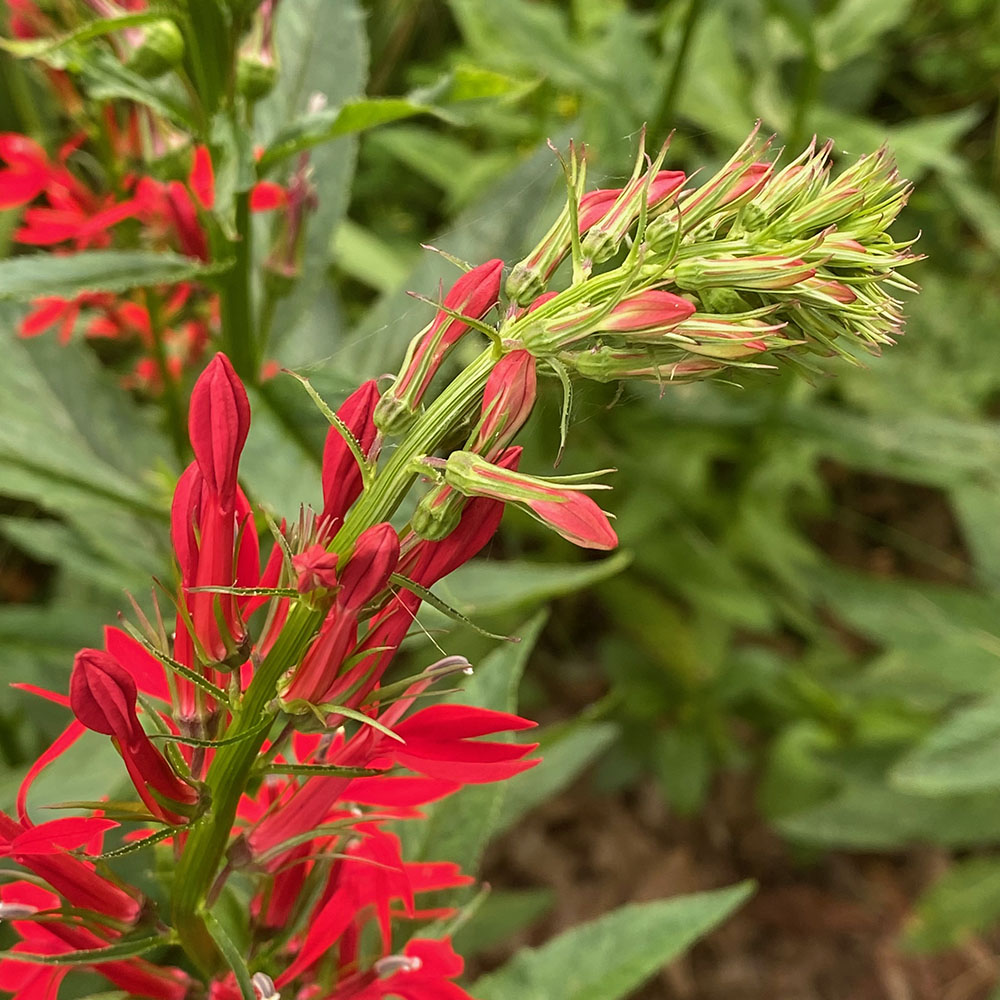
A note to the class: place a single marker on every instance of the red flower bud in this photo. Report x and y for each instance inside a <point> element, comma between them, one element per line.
<point>219,421</point>
<point>315,568</point>
<point>341,476</point>
<point>652,309</point>
<point>366,574</point>
<point>507,403</point>
<point>102,695</point>
<point>473,295</point>
<point>567,511</point>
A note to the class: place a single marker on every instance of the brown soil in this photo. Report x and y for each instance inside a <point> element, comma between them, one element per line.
<point>823,930</point>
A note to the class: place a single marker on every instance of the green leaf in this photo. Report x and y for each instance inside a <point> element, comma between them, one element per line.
<point>368,259</point>
<point>961,755</point>
<point>473,83</point>
<point>565,751</point>
<point>34,275</point>
<point>608,958</point>
<point>105,78</point>
<point>321,126</point>
<point>964,902</point>
<point>502,914</point>
<point>322,49</point>
<point>854,26</point>
<point>232,955</point>
<point>873,816</point>
<point>123,948</point>
<point>482,588</point>
<point>36,48</point>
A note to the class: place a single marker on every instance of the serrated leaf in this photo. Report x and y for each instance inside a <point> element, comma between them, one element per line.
<point>608,958</point>
<point>34,275</point>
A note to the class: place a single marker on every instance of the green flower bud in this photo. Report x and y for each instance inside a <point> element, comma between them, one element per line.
<point>162,48</point>
<point>393,415</point>
<point>438,513</point>
<point>255,77</point>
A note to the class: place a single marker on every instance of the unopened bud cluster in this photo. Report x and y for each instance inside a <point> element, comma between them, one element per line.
<point>669,282</point>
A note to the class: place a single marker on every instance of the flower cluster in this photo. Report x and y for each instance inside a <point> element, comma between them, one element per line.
<point>754,265</point>
<point>170,327</point>
<point>339,754</point>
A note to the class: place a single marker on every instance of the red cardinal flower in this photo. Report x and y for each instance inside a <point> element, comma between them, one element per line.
<point>473,295</point>
<point>103,697</point>
<point>342,478</point>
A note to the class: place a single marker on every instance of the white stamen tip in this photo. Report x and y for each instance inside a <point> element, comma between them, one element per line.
<point>16,911</point>
<point>264,985</point>
<point>392,964</point>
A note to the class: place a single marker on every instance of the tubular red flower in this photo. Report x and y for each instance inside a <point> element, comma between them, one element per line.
<point>567,511</point>
<point>219,422</point>
<point>473,295</point>
<point>342,477</point>
<point>651,309</point>
<point>74,878</point>
<point>103,698</point>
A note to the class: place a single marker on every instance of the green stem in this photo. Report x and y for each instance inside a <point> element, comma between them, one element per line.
<point>230,770</point>
<point>171,391</point>
<point>22,103</point>
<point>665,112</point>
<point>392,484</point>
<point>237,316</point>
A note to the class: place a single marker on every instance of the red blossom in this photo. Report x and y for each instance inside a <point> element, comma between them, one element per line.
<point>103,697</point>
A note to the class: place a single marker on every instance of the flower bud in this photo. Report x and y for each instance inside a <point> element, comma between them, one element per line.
<point>649,311</point>
<point>759,272</point>
<point>605,236</point>
<point>508,399</point>
<point>367,572</point>
<point>283,265</point>
<point>609,364</point>
<point>103,697</point>
<point>315,568</point>
<point>161,48</point>
<point>342,478</point>
<point>256,68</point>
<point>437,514</point>
<point>473,295</point>
<point>529,277</point>
<point>564,509</point>
<point>219,422</point>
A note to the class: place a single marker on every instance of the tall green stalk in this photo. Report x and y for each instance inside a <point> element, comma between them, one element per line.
<point>236,307</point>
